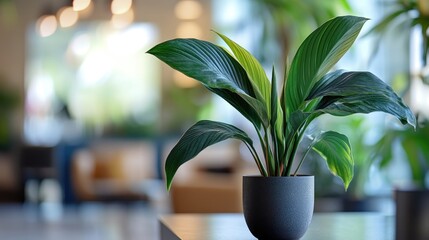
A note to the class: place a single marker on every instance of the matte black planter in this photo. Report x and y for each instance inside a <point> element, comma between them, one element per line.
<point>278,207</point>
<point>412,214</point>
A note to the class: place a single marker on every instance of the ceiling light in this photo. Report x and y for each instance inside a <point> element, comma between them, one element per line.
<point>80,5</point>
<point>67,17</point>
<point>121,6</point>
<point>188,10</point>
<point>123,20</point>
<point>47,25</point>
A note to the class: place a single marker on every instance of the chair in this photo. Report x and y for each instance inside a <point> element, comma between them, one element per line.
<point>36,163</point>
<point>113,171</point>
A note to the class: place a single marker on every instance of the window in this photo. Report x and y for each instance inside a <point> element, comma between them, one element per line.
<point>90,77</point>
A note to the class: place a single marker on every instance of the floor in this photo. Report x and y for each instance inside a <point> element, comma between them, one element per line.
<point>86,221</point>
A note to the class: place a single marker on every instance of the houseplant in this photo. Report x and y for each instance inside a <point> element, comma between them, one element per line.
<point>409,18</point>
<point>280,119</point>
<point>412,199</point>
<point>404,17</point>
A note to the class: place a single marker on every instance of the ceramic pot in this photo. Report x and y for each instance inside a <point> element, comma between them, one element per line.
<point>412,214</point>
<point>278,207</point>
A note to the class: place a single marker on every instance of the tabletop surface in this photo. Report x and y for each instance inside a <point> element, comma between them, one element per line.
<point>332,226</point>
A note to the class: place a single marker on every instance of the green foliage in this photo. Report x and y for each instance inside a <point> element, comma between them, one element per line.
<point>335,149</point>
<point>405,14</point>
<point>308,92</point>
<point>198,137</point>
<point>317,55</point>
<point>414,142</point>
<point>356,128</point>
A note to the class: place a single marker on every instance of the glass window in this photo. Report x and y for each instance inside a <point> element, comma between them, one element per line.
<point>86,78</point>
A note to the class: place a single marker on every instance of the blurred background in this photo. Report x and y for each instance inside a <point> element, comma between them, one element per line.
<point>88,118</point>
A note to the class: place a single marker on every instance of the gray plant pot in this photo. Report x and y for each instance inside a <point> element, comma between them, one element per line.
<point>412,214</point>
<point>278,207</point>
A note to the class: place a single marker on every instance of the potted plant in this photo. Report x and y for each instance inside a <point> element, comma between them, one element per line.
<point>279,203</point>
<point>412,199</point>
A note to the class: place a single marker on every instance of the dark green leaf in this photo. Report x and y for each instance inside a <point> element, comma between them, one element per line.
<point>215,69</point>
<point>335,149</point>
<point>297,118</point>
<point>254,70</point>
<point>250,108</point>
<point>274,99</point>
<point>345,93</point>
<point>317,55</point>
<point>205,62</point>
<point>198,137</point>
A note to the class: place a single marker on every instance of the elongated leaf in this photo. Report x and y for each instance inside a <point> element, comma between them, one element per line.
<point>276,121</point>
<point>321,88</point>
<point>255,72</point>
<point>317,55</point>
<point>214,68</point>
<point>250,108</point>
<point>195,139</point>
<point>297,118</point>
<point>205,62</point>
<point>274,98</point>
<point>345,93</point>
<point>276,115</point>
<point>335,149</point>
<point>299,121</point>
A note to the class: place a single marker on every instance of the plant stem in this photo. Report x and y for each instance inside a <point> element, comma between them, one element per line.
<point>302,159</point>
<point>267,164</point>
<point>286,157</point>
<point>275,150</point>
<point>292,155</point>
<point>257,159</point>
<point>269,153</point>
<point>295,146</point>
<point>296,140</point>
<point>277,160</point>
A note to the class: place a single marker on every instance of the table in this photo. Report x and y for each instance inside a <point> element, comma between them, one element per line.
<point>329,226</point>
<point>86,221</point>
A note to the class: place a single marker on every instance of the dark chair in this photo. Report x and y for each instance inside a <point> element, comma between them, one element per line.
<point>36,163</point>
